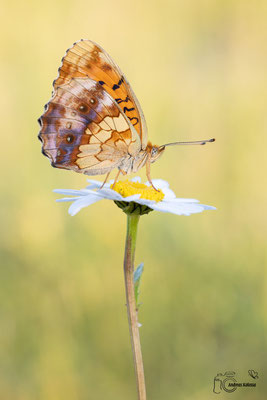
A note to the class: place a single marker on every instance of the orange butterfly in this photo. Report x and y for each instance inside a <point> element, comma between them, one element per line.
<point>94,122</point>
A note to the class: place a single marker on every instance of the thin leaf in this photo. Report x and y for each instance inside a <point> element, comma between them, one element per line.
<point>137,278</point>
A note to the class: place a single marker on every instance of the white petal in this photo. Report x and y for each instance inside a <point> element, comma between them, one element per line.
<point>158,183</point>
<point>94,183</point>
<point>133,197</point>
<point>180,208</point>
<point>168,193</point>
<point>208,207</point>
<point>92,186</point>
<point>136,179</point>
<point>104,193</point>
<point>145,202</point>
<point>71,192</point>
<point>181,200</point>
<point>68,199</point>
<point>83,202</point>
<point>107,193</point>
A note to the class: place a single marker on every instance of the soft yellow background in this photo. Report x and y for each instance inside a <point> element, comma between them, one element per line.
<point>199,69</point>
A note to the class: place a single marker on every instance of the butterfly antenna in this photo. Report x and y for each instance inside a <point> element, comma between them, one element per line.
<point>201,142</point>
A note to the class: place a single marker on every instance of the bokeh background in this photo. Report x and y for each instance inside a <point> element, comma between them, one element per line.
<point>198,68</point>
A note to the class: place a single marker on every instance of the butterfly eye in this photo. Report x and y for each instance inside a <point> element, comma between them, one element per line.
<point>70,138</point>
<point>154,151</point>
<point>83,108</point>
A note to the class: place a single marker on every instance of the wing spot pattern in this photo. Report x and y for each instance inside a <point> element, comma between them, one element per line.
<point>70,138</point>
<point>119,100</point>
<point>136,122</point>
<point>117,85</point>
<point>128,109</point>
<point>83,108</point>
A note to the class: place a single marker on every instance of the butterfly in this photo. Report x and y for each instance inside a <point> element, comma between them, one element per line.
<point>94,123</point>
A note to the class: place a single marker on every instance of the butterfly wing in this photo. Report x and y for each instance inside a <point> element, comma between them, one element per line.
<point>85,130</point>
<point>87,59</point>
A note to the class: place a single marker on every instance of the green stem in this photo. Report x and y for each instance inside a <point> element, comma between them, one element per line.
<point>132,223</point>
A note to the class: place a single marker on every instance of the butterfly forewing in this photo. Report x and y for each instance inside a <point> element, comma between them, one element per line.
<point>87,59</point>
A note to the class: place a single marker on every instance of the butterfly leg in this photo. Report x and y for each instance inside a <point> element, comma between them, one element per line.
<point>105,181</point>
<point>116,178</point>
<point>148,173</point>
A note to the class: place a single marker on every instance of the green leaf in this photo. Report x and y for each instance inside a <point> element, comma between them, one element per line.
<point>137,277</point>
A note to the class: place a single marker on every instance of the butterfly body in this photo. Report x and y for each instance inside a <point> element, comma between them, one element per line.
<point>94,123</point>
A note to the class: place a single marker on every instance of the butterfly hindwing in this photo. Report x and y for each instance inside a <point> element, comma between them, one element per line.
<point>84,129</point>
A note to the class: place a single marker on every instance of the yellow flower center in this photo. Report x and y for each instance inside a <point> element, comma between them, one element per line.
<point>128,188</point>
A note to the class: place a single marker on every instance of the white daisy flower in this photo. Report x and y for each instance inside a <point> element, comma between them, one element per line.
<point>133,197</point>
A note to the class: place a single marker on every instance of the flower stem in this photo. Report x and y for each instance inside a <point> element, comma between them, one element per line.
<point>132,223</point>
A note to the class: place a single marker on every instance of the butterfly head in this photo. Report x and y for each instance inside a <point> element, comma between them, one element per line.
<point>155,152</point>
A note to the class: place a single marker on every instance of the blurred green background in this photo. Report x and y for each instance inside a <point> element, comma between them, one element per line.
<point>198,68</point>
